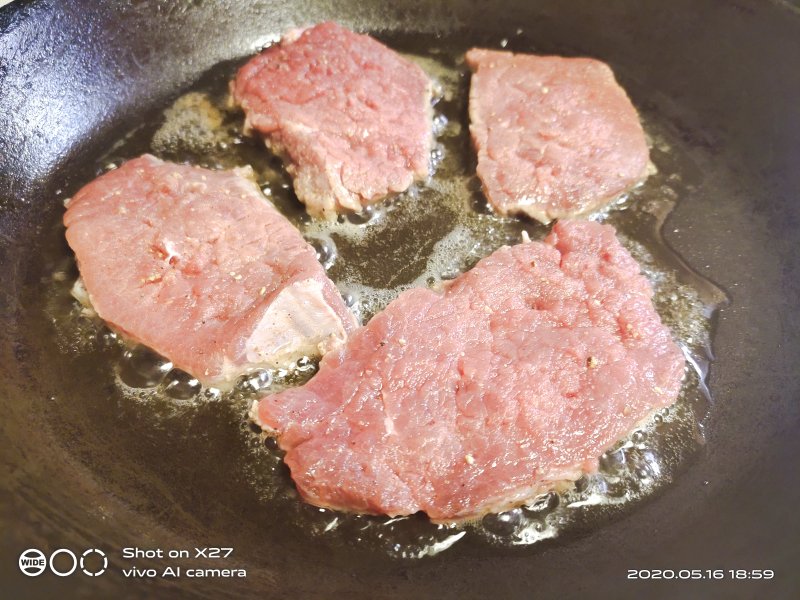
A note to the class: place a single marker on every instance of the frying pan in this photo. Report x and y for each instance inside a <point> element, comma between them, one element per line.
<point>723,74</point>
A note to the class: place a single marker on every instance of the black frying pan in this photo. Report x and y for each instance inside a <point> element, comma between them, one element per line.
<point>725,77</point>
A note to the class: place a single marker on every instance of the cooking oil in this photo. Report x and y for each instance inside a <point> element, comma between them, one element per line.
<point>162,418</point>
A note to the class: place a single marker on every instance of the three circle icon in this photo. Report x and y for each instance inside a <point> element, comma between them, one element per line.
<point>33,562</point>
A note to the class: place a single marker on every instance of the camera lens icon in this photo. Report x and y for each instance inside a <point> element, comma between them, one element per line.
<point>32,562</point>
<point>101,555</point>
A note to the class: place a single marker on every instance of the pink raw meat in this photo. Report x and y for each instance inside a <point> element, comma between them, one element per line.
<point>351,116</point>
<point>518,377</point>
<point>200,267</point>
<point>556,137</point>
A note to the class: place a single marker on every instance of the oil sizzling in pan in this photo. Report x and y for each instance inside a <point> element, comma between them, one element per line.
<point>160,418</point>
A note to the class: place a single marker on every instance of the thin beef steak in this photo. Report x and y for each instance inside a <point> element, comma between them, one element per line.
<point>556,137</point>
<point>518,377</point>
<point>351,117</point>
<point>200,267</point>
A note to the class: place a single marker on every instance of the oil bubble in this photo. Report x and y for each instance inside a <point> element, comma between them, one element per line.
<point>179,385</point>
<point>613,461</point>
<point>504,523</point>
<point>325,249</point>
<point>306,364</point>
<point>367,214</point>
<point>645,463</point>
<point>140,367</point>
<point>543,504</point>
<point>256,381</point>
<point>349,299</point>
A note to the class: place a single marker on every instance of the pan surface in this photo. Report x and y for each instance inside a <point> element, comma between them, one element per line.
<point>721,78</point>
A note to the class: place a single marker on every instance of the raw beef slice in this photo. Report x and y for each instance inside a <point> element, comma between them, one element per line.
<point>556,137</point>
<point>200,267</point>
<point>351,117</point>
<point>516,378</point>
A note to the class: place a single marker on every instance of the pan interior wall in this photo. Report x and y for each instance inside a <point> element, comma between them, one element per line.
<point>85,78</point>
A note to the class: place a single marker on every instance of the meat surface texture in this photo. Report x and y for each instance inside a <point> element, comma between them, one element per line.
<point>516,378</point>
<point>200,267</point>
<point>352,118</point>
<point>556,137</point>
